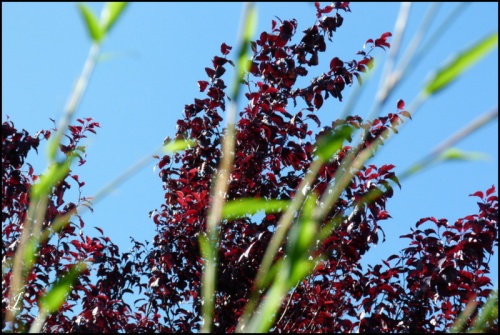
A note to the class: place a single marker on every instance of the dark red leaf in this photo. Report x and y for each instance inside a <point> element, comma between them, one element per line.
<point>210,72</point>
<point>490,190</point>
<point>202,85</point>
<point>336,64</point>
<point>280,54</point>
<point>315,118</point>
<point>225,49</point>
<point>385,35</point>
<point>477,194</point>
<point>318,101</point>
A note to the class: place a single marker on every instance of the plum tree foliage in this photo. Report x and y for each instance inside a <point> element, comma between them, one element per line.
<point>279,135</point>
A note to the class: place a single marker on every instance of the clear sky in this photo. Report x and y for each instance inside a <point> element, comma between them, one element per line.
<point>157,53</point>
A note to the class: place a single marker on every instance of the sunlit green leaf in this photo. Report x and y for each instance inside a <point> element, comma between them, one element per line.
<point>451,154</point>
<point>54,173</point>
<point>460,63</point>
<point>54,299</point>
<point>457,154</point>
<point>110,14</point>
<point>245,207</point>
<point>30,253</point>
<point>488,315</point>
<point>304,231</point>
<point>329,144</point>
<point>300,269</point>
<point>92,23</point>
<point>178,145</point>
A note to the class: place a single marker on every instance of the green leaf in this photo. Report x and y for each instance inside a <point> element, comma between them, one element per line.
<point>488,314</point>
<point>93,26</point>
<point>30,253</point>
<point>110,13</point>
<point>54,173</point>
<point>178,145</point>
<point>450,154</point>
<point>301,268</point>
<point>54,299</point>
<point>329,144</point>
<point>457,154</point>
<point>460,63</point>
<point>303,232</point>
<point>243,207</point>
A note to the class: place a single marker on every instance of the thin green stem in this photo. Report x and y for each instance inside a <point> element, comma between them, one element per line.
<point>74,99</point>
<point>219,194</point>
<point>221,186</point>
<point>387,81</point>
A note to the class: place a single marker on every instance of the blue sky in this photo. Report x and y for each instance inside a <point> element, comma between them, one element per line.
<point>157,53</point>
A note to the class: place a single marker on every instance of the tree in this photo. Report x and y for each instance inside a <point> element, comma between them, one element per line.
<point>422,289</point>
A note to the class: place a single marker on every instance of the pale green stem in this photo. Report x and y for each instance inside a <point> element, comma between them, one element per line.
<point>219,194</point>
<point>222,178</point>
<point>76,96</point>
<point>36,326</point>
<point>387,80</point>
<point>32,227</point>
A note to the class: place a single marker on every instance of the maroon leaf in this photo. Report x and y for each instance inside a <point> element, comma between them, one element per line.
<point>202,85</point>
<point>225,49</point>
<point>210,72</point>
<point>336,64</point>
<point>318,101</point>
<point>477,194</point>
<point>490,191</point>
<point>315,118</point>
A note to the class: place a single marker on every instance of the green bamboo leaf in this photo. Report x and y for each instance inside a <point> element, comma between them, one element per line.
<point>30,253</point>
<point>460,63</point>
<point>110,13</point>
<point>244,207</point>
<point>93,26</point>
<point>329,144</point>
<point>301,268</point>
<point>488,314</point>
<point>54,173</point>
<point>457,154</point>
<point>54,299</point>
<point>451,154</point>
<point>303,232</point>
<point>178,145</point>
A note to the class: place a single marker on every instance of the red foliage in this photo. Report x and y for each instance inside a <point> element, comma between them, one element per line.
<point>420,290</point>
<point>99,298</point>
